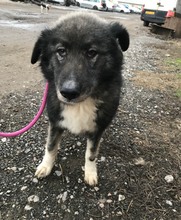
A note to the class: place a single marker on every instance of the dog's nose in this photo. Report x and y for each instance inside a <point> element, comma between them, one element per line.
<point>70,90</point>
<point>70,94</point>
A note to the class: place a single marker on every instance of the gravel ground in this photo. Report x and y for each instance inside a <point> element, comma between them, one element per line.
<point>140,158</point>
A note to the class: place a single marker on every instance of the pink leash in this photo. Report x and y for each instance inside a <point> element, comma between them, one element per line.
<point>30,125</point>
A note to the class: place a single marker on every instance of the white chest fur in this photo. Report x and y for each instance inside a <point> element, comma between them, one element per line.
<point>80,117</point>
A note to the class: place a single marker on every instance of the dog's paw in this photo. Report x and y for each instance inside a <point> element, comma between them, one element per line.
<point>91,178</point>
<point>43,170</point>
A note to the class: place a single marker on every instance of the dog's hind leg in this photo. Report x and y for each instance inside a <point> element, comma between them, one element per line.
<point>91,177</point>
<point>51,148</point>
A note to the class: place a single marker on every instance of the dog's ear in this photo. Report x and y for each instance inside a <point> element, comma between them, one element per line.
<point>37,50</point>
<point>120,33</point>
<point>43,40</point>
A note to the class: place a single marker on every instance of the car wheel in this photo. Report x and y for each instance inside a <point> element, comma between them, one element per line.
<point>146,23</point>
<point>95,8</point>
<point>67,3</point>
<point>121,11</point>
<point>78,4</point>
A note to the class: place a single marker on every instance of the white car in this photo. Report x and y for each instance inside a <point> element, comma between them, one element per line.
<point>121,9</point>
<point>109,5</point>
<point>133,9</point>
<point>92,4</point>
<point>57,1</point>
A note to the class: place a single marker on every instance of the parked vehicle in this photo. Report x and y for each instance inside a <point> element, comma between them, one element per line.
<point>132,9</point>
<point>92,4</point>
<point>56,1</point>
<point>63,2</point>
<point>121,8</point>
<point>109,5</point>
<point>155,11</point>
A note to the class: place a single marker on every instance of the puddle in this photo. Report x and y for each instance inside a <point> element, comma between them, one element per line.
<point>21,25</point>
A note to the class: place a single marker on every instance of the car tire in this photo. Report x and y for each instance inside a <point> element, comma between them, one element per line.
<point>95,7</point>
<point>121,11</point>
<point>146,23</point>
<point>67,3</point>
<point>78,4</point>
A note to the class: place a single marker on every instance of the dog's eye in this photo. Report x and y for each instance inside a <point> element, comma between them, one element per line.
<point>91,53</point>
<point>61,52</point>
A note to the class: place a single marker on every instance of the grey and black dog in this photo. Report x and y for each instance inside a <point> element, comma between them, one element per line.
<point>81,58</point>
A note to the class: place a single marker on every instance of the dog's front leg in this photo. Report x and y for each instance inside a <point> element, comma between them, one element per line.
<point>51,148</point>
<point>91,177</point>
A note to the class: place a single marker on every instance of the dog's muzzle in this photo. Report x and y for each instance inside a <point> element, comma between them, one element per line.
<point>70,90</point>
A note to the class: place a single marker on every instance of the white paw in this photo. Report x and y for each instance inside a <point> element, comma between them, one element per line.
<point>91,178</point>
<point>43,170</point>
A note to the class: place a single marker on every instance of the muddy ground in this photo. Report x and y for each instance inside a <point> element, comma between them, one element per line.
<point>140,158</point>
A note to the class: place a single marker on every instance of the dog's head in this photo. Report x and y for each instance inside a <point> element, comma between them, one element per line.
<point>79,54</point>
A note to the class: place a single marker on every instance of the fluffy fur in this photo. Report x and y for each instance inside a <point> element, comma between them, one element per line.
<point>81,58</point>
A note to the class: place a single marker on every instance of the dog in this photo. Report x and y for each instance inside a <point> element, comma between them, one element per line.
<point>81,58</point>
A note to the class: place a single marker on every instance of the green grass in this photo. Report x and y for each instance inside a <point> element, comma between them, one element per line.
<point>178,93</point>
<point>176,62</point>
<point>179,75</point>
